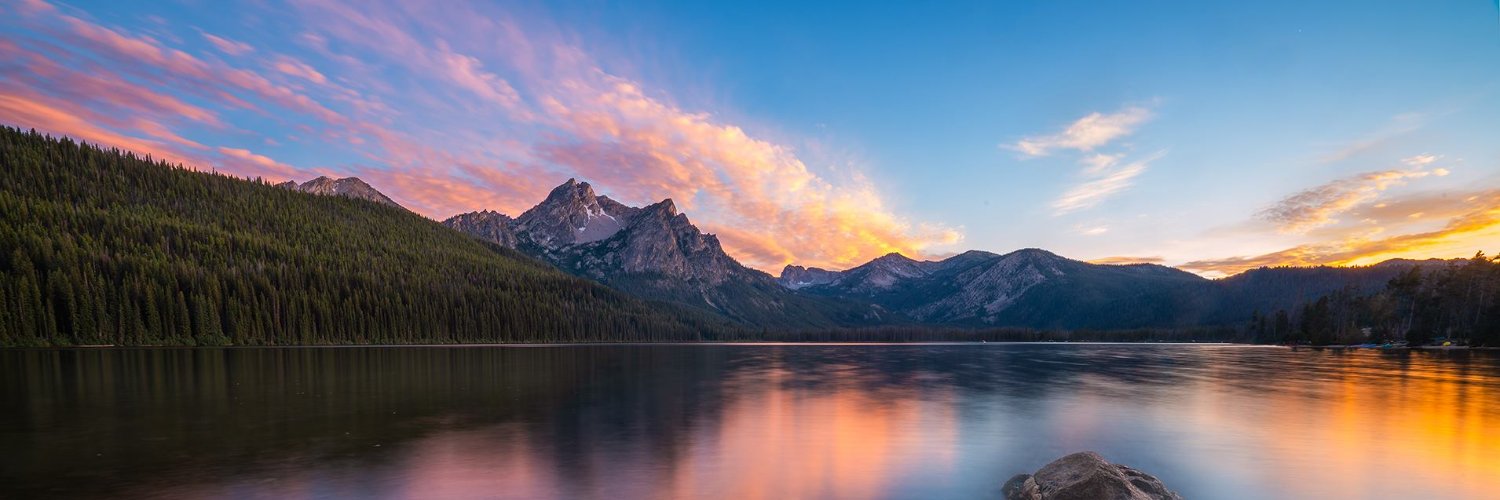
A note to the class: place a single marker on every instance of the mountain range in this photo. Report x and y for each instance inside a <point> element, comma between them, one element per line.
<point>111,248</point>
<point>655,252</point>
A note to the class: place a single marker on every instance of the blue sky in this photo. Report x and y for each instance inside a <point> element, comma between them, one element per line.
<point>1211,135</point>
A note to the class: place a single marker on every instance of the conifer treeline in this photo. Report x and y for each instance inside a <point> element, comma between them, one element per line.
<point>1458,302</point>
<point>105,247</point>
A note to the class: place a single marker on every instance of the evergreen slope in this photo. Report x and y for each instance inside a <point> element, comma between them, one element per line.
<point>105,247</point>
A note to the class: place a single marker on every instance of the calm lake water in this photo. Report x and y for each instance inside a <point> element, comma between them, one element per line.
<point>742,421</point>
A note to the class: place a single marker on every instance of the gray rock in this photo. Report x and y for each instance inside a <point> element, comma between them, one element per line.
<point>1021,487</point>
<point>795,277</point>
<point>491,226</point>
<point>348,187</point>
<point>1086,476</point>
<point>572,214</point>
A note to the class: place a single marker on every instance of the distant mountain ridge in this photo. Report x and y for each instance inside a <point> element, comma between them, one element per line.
<point>1036,288</point>
<point>655,252</point>
<point>1029,287</point>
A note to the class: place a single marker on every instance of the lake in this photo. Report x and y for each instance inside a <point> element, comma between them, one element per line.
<point>742,421</point>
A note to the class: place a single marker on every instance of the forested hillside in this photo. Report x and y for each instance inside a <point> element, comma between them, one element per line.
<point>1419,305</point>
<point>105,247</point>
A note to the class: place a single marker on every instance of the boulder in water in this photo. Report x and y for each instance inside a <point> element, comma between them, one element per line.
<point>1086,476</point>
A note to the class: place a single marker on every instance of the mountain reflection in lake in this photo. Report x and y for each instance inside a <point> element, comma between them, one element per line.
<point>742,421</point>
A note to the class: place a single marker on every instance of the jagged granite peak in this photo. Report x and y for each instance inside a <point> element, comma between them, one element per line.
<point>487,225</point>
<point>677,248</point>
<point>796,277</point>
<point>571,214</point>
<point>664,206</point>
<point>348,187</point>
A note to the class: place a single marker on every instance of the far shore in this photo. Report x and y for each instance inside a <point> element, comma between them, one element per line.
<point>753,343</point>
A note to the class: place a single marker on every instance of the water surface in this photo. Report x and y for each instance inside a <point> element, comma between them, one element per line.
<point>742,421</point>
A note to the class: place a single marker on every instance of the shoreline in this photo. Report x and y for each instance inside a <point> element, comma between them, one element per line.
<point>748,344</point>
<point>636,343</point>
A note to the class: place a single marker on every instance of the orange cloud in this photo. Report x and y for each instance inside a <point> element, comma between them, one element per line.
<point>646,148</point>
<point>1476,228</point>
<point>1318,206</point>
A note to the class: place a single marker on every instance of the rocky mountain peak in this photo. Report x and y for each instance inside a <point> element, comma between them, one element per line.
<point>571,214</point>
<point>348,187</point>
<point>488,225</point>
<point>664,208</point>
<point>572,192</point>
<point>797,277</point>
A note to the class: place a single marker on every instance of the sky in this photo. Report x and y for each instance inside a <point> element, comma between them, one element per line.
<point>1212,136</point>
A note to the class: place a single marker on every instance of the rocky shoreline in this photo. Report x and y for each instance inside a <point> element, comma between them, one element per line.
<point>1086,476</point>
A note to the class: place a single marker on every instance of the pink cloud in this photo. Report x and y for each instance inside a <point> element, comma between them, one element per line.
<point>299,69</point>
<point>81,86</point>
<point>263,166</point>
<point>228,46</point>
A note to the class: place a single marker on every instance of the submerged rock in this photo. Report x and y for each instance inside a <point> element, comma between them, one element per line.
<point>1086,476</point>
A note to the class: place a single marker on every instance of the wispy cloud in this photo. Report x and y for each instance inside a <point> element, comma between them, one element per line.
<point>1098,163</point>
<point>1318,206</point>
<point>1092,230</point>
<point>299,69</point>
<point>1085,134</point>
<point>1102,175</point>
<point>1100,184</point>
<point>1468,222</point>
<point>227,46</point>
<point>1397,126</point>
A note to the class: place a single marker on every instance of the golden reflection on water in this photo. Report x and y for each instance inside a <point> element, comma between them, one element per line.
<point>1375,430</point>
<point>748,422</point>
<point>840,441</point>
